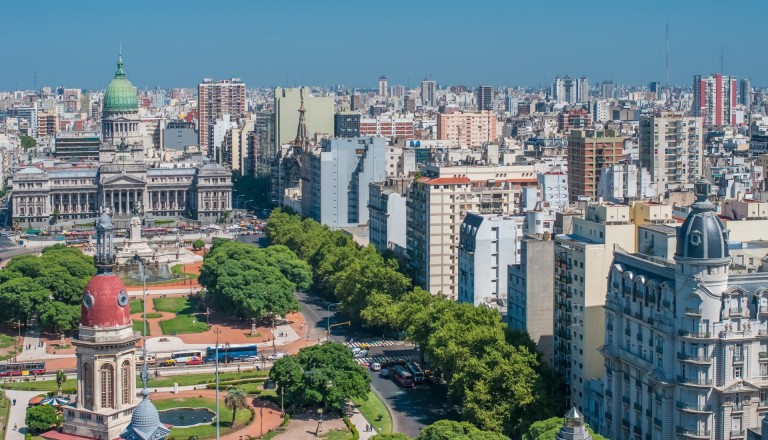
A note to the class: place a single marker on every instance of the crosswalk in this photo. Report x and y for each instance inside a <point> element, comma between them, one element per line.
<point>387,360</point>
<point>8,248</point>
<point>373,343</point>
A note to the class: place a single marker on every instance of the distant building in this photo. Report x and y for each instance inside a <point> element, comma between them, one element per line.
<point>75,146</point>
<point>214,99</point>
<point>484,98</point>
<point>346,124</point>
<point>387,127</point>
<point>318,119</point>
<point>578,119</point>
<point>383,86</point>
<point>714,99</point>
<point>178,135</point>
<point>671,149</point>
<point>428,93</point>
<point>467,128</point>
<point>745,93</point>
<point>588,152</point>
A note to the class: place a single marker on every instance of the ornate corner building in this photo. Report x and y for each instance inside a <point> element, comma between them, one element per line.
<point>128,177</point>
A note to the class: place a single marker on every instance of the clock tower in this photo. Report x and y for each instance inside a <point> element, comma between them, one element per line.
<point>106,347</point>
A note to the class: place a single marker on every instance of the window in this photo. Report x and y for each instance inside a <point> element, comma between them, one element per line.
<point>125,378</point>
<point>107,379</point>
<point>88,384</point>
<point>737,372</point>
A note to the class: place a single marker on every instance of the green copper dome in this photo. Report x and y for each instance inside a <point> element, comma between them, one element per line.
<point>120,95</point>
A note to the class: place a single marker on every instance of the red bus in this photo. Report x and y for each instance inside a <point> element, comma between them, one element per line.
<point>22,369</point>
<point>152,232</point>
<point>403,376</point>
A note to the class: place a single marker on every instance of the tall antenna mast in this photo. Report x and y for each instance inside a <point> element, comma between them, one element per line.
<point>722,60</point>
<point>666,55</point>
<point>35,81</point>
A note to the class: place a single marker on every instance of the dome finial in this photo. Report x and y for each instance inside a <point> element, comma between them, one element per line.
<point>120,72</point>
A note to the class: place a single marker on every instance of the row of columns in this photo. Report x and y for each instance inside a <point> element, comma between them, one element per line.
<point>168,199</point>
<point>215,200</point>
<point>120,128</point>
<point>73,203</point>
<point>24,206</point>
<point>120,200</point>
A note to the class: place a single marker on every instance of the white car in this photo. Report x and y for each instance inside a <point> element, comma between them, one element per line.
<point>276,356</point>
<point>375,366</point>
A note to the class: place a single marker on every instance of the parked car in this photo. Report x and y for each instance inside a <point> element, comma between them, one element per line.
<point>276,356</point>
<point>251,358</point>
<point>384,372</point>
<point>168,363</point>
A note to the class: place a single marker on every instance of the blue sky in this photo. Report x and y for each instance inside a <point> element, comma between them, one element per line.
<point>327,42</point>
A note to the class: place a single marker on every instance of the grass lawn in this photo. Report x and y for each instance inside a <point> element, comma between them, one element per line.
<point>180,305</point>
<point>183,324</point>
<point>138,326</point>
<point>203,378</point>
<point>338,435</point>
<point>69,387</point>
<point>371,409</point>
<point>137,305</point>
<point>178,270</point>
<point>154,315</point>
<point>5,408</point>
<point>8,355</point>
<point>204,431</point>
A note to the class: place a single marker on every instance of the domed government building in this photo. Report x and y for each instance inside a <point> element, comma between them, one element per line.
<point>107,406</point>
<point>128,178</point>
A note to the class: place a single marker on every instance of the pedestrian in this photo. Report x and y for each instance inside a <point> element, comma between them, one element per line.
<point>14,402</point>
<point>366,427</point>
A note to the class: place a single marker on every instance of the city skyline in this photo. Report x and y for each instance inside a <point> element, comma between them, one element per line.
<point>310,43</point>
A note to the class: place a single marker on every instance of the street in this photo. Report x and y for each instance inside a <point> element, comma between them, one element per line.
<point>411,409</point>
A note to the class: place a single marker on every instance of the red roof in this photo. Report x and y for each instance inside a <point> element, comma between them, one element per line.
<point>447,180</point>
<point>106,310</point>
<point>56,435</point>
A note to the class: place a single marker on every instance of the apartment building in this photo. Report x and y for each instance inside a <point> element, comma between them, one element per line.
<point>589,151</point>
<point>435,209</point>
<point>582,261</point>
<point>387,127</point>
<point>467,129</point>
<point>671,149</point>
<point>387,214</point>
<point>214,100</point>
<point>686,341</point>
<point>714,99</point>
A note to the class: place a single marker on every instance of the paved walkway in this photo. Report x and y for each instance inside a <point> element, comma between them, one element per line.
<point>360,422</point>
<point>18,413</point>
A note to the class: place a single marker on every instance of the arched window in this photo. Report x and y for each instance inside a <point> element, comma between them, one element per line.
<point>125,379</point>
<point>107,377</point>
<point>87,384</point>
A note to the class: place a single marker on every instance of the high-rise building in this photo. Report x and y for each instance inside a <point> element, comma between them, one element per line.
<point>671,149</point>
<point>398,91</point>
<point>582,89</point>
<point>570,90</point>
<point>387,127</point>
<point>577,119</point>
<point>588,152</point>
<point>262,141</point>
<point>346,124</point>
<point>467,128</point>
<point>530,283</point>
<point>386,214</point>
<point>436,206</point>
<point>686,339</point>
<point>488,243</point>
<point>607,90</point>
<point>484,98</point>
<point>428,93</point>
<point>714,99</point>
<point>582,261</point>
<point>383,86</point>
<point>336,191</point>
<point>77,145</point>
<point>47,124</point>
<point>745,92</point>
<point>215,99</point>
<point>319,114</point>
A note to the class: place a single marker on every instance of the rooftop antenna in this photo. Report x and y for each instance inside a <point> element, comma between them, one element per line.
<point>35,80</point>
<point>722,60</point>
<point>666,54</point>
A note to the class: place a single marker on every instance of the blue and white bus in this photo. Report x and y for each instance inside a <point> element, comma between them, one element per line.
<point>232,352</point>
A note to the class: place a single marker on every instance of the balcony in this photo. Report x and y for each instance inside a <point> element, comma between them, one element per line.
<point>738,358</point>
<point>694,381</point>
<point>763,310</point>
<point>637,406</point>
<point>698,334</point>
<point>692,407</point>
<point>738,434</point>
<point>694,359</point>
<point>763,355</point>
<point>694,433</point>
<point>625,423</point>
<point>695,312</point>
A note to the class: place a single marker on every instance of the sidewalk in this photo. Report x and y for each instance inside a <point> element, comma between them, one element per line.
<point>31,340</point>
<point>360,422</point>
<point>18,413</point>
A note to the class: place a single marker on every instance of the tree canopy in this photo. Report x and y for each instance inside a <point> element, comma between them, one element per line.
<point>495,375</point>
<point>49,286</point>
<point>323,376</point>
<point>548,429</point>
<point>41,418</point>
<point>251,282</point>
<point>390,436</point>
<point>452,430</point>
<point>27,142</point>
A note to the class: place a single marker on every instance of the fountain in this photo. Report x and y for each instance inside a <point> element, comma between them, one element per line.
<point>158,254</point>
<point>186,417</point>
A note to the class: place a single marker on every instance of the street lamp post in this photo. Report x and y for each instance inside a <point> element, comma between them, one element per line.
<point>328,322</point>
<point>218,429</point>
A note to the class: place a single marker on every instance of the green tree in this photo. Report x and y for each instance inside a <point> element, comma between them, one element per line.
<point>57,316</point>
<point>236,399</point>
<point>198,244</point>
<point>41,418</point>
<point>391,436</point>
<point>548,429</point>
<point>60,379</point>
<point>452,430</point>
<point>21,297</point>
<point>322,375</point>
<point>27,142</point>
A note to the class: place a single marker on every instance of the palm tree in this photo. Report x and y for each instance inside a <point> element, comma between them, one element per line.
<point>236,399</point>
<point>60,379</point>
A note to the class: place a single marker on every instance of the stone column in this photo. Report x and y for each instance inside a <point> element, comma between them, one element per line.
<point>176,200</point>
